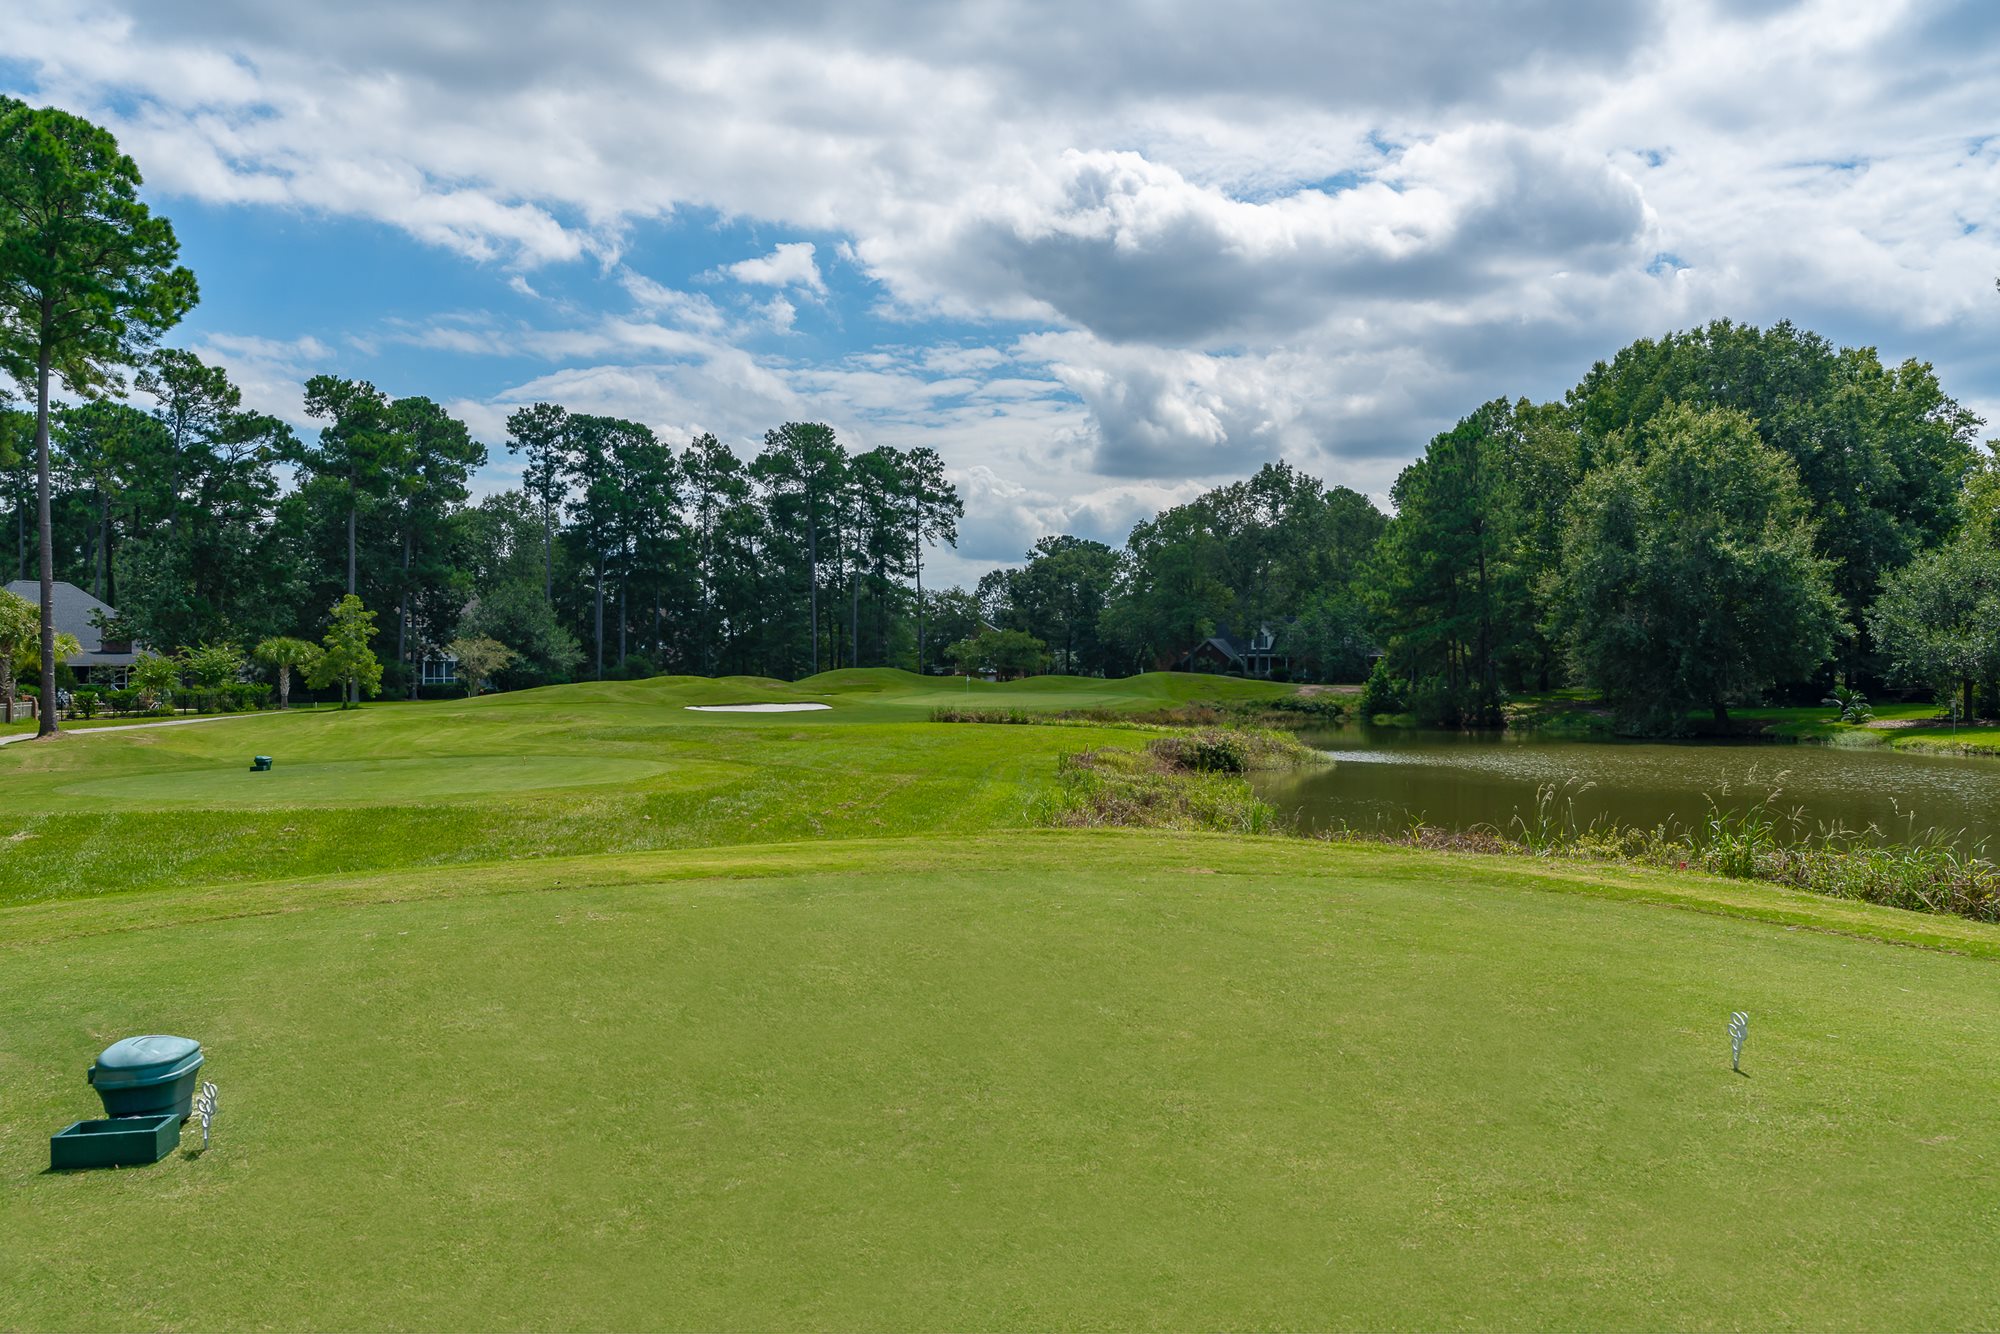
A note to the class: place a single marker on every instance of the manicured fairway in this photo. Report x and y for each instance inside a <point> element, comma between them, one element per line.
<point>1026,1081</point>
<point>613,767</point>
<point>428,778</point>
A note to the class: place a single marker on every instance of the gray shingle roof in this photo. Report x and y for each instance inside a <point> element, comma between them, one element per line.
<point>73,608</point>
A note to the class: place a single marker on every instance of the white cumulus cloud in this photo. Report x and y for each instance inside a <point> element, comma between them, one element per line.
<point>1126,248</point>
<point>791,264</point>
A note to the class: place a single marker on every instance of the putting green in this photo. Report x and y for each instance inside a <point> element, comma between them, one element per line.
<point>346,782</point>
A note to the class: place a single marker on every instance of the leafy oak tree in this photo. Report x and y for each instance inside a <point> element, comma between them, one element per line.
<point>1005,653</point>
<point>1689,578</point>
<point>1881,452</point>
<point>516,614</point>
<point>1060,595</point>
<point>1444,590</point>
<point>348,660</point>
<point>1938,619</point>
<point>479,660</point>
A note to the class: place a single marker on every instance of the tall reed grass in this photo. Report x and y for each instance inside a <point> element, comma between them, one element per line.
<point>1753,837</point>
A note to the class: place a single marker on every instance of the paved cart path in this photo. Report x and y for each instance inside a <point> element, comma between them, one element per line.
<point>129,727</point>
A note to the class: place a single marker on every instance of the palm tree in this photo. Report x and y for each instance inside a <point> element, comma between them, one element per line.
<point>286,654</point>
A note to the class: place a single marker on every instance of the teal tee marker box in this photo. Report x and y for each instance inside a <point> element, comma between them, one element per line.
<point>129,1141</point>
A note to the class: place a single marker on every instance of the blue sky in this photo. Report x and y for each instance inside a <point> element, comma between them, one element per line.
<point>1099,257</point>
<point>368,292</point>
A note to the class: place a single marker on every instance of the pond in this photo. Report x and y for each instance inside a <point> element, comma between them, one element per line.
<point>1385,779</point>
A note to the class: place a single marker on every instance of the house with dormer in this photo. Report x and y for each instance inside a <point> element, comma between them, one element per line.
<point>1256,656</point>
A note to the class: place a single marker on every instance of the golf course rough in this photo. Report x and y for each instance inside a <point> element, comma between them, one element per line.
<point>948,1073</point>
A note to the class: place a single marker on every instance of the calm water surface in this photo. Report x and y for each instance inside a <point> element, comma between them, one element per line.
<point>1385,779</point>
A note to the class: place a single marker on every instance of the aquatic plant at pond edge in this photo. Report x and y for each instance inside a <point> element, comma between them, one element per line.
<point>1758,840</point>
<point>1852,704</point>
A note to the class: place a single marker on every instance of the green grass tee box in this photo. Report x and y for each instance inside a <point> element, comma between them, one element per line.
<point>1054,1082</point>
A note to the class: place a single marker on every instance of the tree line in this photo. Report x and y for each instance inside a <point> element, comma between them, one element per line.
<point>206,524</point>
<point>1714,518</point>
<point>1723,516</point>
<point>1280,550</point>
<point>1719,516</point>
<point>620,555</point>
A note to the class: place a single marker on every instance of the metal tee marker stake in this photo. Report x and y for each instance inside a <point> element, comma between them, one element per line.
<point>204,1109</point>
<point>1739,1028</point>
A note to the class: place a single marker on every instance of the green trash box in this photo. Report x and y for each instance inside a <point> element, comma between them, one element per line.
<point>260,764</point>
<point>129,1141</point>
<point>148,1076</point>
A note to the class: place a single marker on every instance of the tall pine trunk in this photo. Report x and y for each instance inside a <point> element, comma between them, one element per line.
<point>102,580</point>
<point>45,712</point>
<point>1489,675</point>
<point>882,612</point>
<point>600,618</point>
<point>813,575</point>
<point>403,616</point>
<point>709,648</point>
<point>353,686</point>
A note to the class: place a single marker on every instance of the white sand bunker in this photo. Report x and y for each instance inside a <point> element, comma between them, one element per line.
<point>755,708</point>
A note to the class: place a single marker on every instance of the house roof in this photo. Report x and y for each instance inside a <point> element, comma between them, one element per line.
<point>1224,645</point>
<point>1234,649</point>
<point>74,612</point>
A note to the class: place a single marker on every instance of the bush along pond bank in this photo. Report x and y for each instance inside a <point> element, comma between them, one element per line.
<point>1192,781</point>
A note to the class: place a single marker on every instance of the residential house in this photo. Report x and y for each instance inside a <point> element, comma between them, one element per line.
<point>1223,653</point>
<point>104,663</point>
<point>437,670</point>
